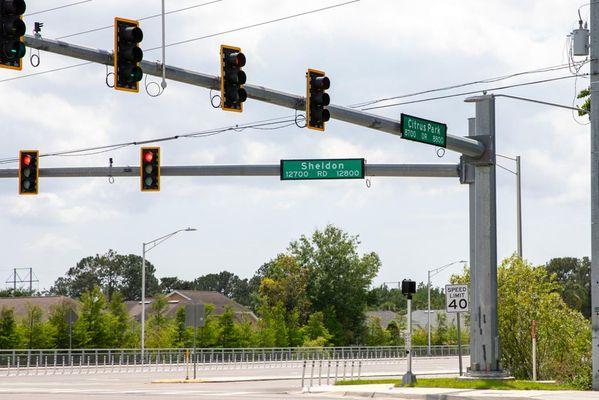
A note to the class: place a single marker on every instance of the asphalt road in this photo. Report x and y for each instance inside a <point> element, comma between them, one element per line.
<point>276,382</point>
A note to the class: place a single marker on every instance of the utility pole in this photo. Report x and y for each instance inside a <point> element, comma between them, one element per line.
<point>594,118</point>
<point>484,336</point>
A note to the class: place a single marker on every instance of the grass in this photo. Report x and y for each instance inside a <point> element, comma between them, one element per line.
<point>454,383</point>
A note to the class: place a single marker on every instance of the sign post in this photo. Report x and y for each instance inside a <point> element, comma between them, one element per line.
<point>423,130</point>
<point>195,316</point>
<point>456,301</point>
<point>408,288</point>
<point>343,168</point>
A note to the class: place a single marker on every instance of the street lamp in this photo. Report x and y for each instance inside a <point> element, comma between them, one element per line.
<point>432,273</point>
<point>151,244</point>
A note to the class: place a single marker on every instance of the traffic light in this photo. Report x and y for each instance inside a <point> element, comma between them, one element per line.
<point>12,29</point>
<point>150,169</point>
<point>28,171</point>
<point>317,99</point>
<point>232,78</point>
<point>127,54</point>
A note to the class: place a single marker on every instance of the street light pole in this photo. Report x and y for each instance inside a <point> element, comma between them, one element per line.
<point>151,244</point>
<point>434,271</point>
<point>518,173</point>
<point>519,205</point>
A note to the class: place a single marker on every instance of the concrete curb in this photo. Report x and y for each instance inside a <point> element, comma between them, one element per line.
<point>390,392</point>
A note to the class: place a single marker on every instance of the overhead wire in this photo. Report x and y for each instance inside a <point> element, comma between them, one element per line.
<point>472,92</point>
<point>57,8</point>
<point>255,25</point>
<point>269,124</point>
<point>140,19</point>
<point>190,40</point>
<point>460,85</point>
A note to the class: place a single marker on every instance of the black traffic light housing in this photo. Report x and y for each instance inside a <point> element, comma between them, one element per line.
<point>232,78</point>
<point>127,54</point>
<point>317,99</point>
<point>28,171</point>
<point>12,29</point>
<point>408,288</point>
<point>149,170</point>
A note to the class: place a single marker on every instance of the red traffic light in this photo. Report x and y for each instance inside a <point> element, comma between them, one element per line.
<point>26,159</point>
<point>148,156</point>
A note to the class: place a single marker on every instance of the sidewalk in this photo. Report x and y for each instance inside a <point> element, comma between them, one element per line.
<point>388,391</point>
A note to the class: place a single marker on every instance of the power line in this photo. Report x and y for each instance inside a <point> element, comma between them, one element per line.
<point>473,92</point>
<point>57,8</point>
<point>140,19</point>
<point>46,72</point>
<point>255,25</point>
<point>460,85</point>
<point>177,43</point>
<point>267,124</point>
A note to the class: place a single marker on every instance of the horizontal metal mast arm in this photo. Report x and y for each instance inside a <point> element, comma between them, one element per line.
<point>460,144</point>
<point>398,170</point>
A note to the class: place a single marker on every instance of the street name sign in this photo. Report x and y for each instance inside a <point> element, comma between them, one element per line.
<point>456,298</point>
<point>423,131</point>
<point>342,168</point>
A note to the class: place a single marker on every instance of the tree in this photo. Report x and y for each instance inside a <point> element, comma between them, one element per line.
<point>315,332</point>
<point>122,334</point>
<point>160,332</point>
<point>36,334</point>
<point>527,293</point>
<point>227,283</point>
<point>182,333</point>
<point>420,298</point>
<point>227,328</point>
<point>396,329</point>
<point>111,272</point>
<point>9,336</point>
<point>338,280</point>
<point>208,335</point>
<point>375,334</point>
<point>441,334</point>
<point>58,320</point>
<point>93,326</point>
<point>586,105</point>
<point>574,277</point>
<point>285,281</point>
<point>19,292</point>
<point>170,283</point>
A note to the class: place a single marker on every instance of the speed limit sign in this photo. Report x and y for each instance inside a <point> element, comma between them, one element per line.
<point>456,298</point>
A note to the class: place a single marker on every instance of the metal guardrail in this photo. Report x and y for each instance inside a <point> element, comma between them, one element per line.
<point>16,362</point>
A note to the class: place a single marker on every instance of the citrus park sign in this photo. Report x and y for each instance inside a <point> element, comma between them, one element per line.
<point>423,130</point>
<point>456,298</point>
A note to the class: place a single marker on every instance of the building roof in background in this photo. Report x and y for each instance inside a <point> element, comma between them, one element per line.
<point>384,316</point>
<point>419,318</point>
<point>45,303</point>
<point>181,298</point>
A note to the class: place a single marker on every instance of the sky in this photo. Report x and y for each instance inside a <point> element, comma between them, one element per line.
<point>370,49</point>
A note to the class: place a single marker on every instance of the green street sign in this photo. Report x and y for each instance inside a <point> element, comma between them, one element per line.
<point>343,168</point>
<point>423,131</point>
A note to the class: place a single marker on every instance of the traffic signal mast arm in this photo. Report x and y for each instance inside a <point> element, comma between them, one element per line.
<point>389,170</point>
<point>466,146</point>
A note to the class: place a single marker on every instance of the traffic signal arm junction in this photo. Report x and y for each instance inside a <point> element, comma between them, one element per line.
<point>464,145</point>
